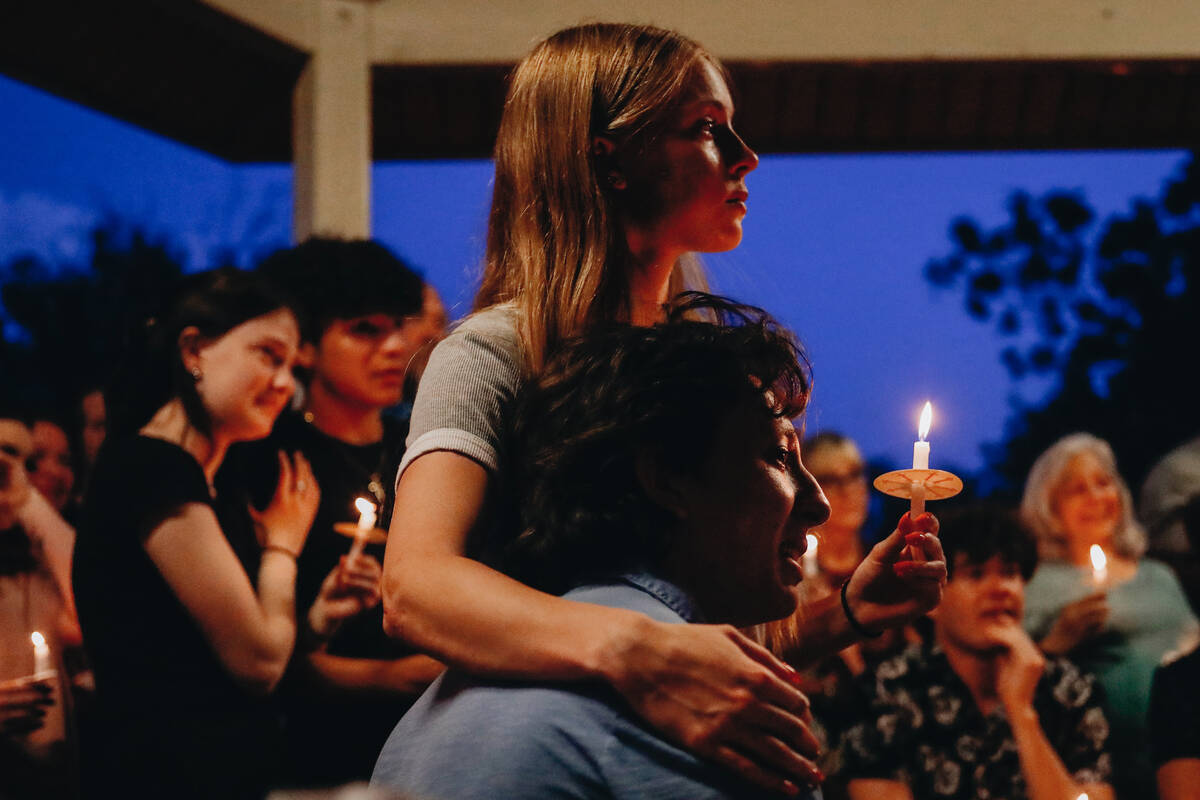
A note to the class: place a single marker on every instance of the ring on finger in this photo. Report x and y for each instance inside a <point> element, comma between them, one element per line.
<point>301,485</point>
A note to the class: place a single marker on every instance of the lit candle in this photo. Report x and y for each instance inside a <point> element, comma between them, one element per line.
<point>921,447</point>
<point>366,524</point>
<point>920,461</point>
<point>809,561</point>
<point>41,654</point>
<point>1099,565</point>
<point>1083,796</point>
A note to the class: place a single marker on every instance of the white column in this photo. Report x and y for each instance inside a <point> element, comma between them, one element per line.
<point>331,125</point>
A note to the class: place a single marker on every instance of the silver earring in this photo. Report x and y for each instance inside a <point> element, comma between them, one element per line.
<point>197,374</point>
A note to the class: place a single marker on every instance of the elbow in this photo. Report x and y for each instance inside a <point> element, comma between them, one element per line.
<point>259,674</point>
<point>397,606</point>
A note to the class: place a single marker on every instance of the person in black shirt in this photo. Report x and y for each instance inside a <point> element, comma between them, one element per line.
<point>361,342</point>
<point>186,601</point>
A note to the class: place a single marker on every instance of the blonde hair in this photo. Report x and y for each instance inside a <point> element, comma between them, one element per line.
<point>554,248</point>
<point>1044,481</point>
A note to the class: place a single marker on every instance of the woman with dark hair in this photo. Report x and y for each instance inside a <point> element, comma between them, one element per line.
<point>183,640</point>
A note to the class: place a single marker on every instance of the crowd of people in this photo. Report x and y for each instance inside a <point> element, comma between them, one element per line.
<point>596,578</point>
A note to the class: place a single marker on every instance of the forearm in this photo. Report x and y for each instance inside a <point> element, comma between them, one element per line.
<point>822,630</point>
<point>276,594</point>
<point>473,617</point>
<point>408,676</point>
<point>1046,778</point>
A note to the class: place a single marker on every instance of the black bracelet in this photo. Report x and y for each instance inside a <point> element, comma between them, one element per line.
<point>855,624</point>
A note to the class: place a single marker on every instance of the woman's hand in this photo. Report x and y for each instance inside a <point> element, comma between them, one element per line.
<point>901,578</point>
<point>23,705</point>
<point>1076,623</point>
<point>722,696</point>
<point>286,521</point>
<point>349,589</point>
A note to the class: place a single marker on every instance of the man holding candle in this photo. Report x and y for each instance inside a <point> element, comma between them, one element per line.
<point>625,506</point>
<point>360,302</point>
<point>980,713</point>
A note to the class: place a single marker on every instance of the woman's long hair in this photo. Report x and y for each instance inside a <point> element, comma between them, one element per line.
<point>151,372</point>
<point>554,247</point>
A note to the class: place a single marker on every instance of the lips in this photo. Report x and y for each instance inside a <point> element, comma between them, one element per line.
<point>791,555</point>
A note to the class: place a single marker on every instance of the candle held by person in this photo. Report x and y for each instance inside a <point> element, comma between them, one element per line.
<point>41,654</point>
<point>921,461</point>
<point>366,524</point>
<point>1099,565</point>
<point>809,561</point>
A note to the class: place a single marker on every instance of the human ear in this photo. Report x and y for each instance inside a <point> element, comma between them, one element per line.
<point>604,152</point>
<point>306,356</point>
<point>190,344</point>
<point>662,485</point>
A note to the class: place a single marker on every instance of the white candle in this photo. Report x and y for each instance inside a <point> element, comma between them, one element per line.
<point>921,447</point>
<point>920,461</point>
<point>809,562</point>
<point>1099,565</point>
<point>366,523</point>
<point>41,654</point>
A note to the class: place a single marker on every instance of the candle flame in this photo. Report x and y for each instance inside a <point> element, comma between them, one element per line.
<point>37,639</point>
<point>810,542</point>
<point>1099,560</point>
<point>1083,796</point>
<point>926,419</point>
<point>364,505</point>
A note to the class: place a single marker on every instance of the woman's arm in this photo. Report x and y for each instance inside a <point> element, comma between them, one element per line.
<point>706,687</point>
<point>251,632</point>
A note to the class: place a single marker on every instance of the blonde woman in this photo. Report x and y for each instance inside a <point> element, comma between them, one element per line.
<point>615,160</point>
<point>1118,625</point>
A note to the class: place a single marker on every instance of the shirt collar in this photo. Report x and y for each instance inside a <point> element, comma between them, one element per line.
<point>671,595</point>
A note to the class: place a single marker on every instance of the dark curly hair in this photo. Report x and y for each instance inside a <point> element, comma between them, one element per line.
<point>982,530</point>
<point>622,390</point>
<point>335,279</point>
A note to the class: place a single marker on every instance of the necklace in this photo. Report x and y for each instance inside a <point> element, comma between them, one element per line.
<point>351,455</point>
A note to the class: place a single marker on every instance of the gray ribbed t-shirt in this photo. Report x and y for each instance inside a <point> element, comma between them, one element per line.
<point>467,391</point>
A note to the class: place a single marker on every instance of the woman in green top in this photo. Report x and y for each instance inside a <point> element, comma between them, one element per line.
<point>1118,622</point>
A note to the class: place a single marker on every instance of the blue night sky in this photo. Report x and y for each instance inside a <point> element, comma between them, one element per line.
<point>834,245</point>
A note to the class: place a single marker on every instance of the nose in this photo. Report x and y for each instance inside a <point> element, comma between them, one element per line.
<point>738,155</point>
<point>812,507</point>
<point>283,380</point>
<point>395,342</point>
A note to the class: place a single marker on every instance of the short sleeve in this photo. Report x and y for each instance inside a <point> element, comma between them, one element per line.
<point>1081,737</point>
<point>145,481</point>
<point>1174,706</point>
<point>466,393</point>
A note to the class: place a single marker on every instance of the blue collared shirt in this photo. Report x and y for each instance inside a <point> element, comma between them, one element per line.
<point>474,740</point>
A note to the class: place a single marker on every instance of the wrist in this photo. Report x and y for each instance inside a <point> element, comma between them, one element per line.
<point>626,634</point>
<point>1020,714</point>
<point>281,550</point>
<point>856,624</point>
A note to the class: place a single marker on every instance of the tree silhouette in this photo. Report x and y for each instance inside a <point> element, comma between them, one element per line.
<point>64,325</point>
<point>1115,315</point>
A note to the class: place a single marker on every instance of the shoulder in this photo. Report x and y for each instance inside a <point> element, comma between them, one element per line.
<point>133,460</point>
<point>523,741</point>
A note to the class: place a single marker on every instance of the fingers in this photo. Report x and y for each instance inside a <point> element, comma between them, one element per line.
<point>889,549</point>
<point>285,471</point>
<point>768,762</point>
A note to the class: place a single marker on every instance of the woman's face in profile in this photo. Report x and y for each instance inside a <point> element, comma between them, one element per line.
<point>1087,501</point>
<point>685,188</point>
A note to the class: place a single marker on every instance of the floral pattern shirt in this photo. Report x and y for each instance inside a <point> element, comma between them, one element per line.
<point>919,724</point>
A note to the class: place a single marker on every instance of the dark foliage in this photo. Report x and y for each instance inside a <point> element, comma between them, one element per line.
<point>1114,313</point>
<point>64,325</point>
